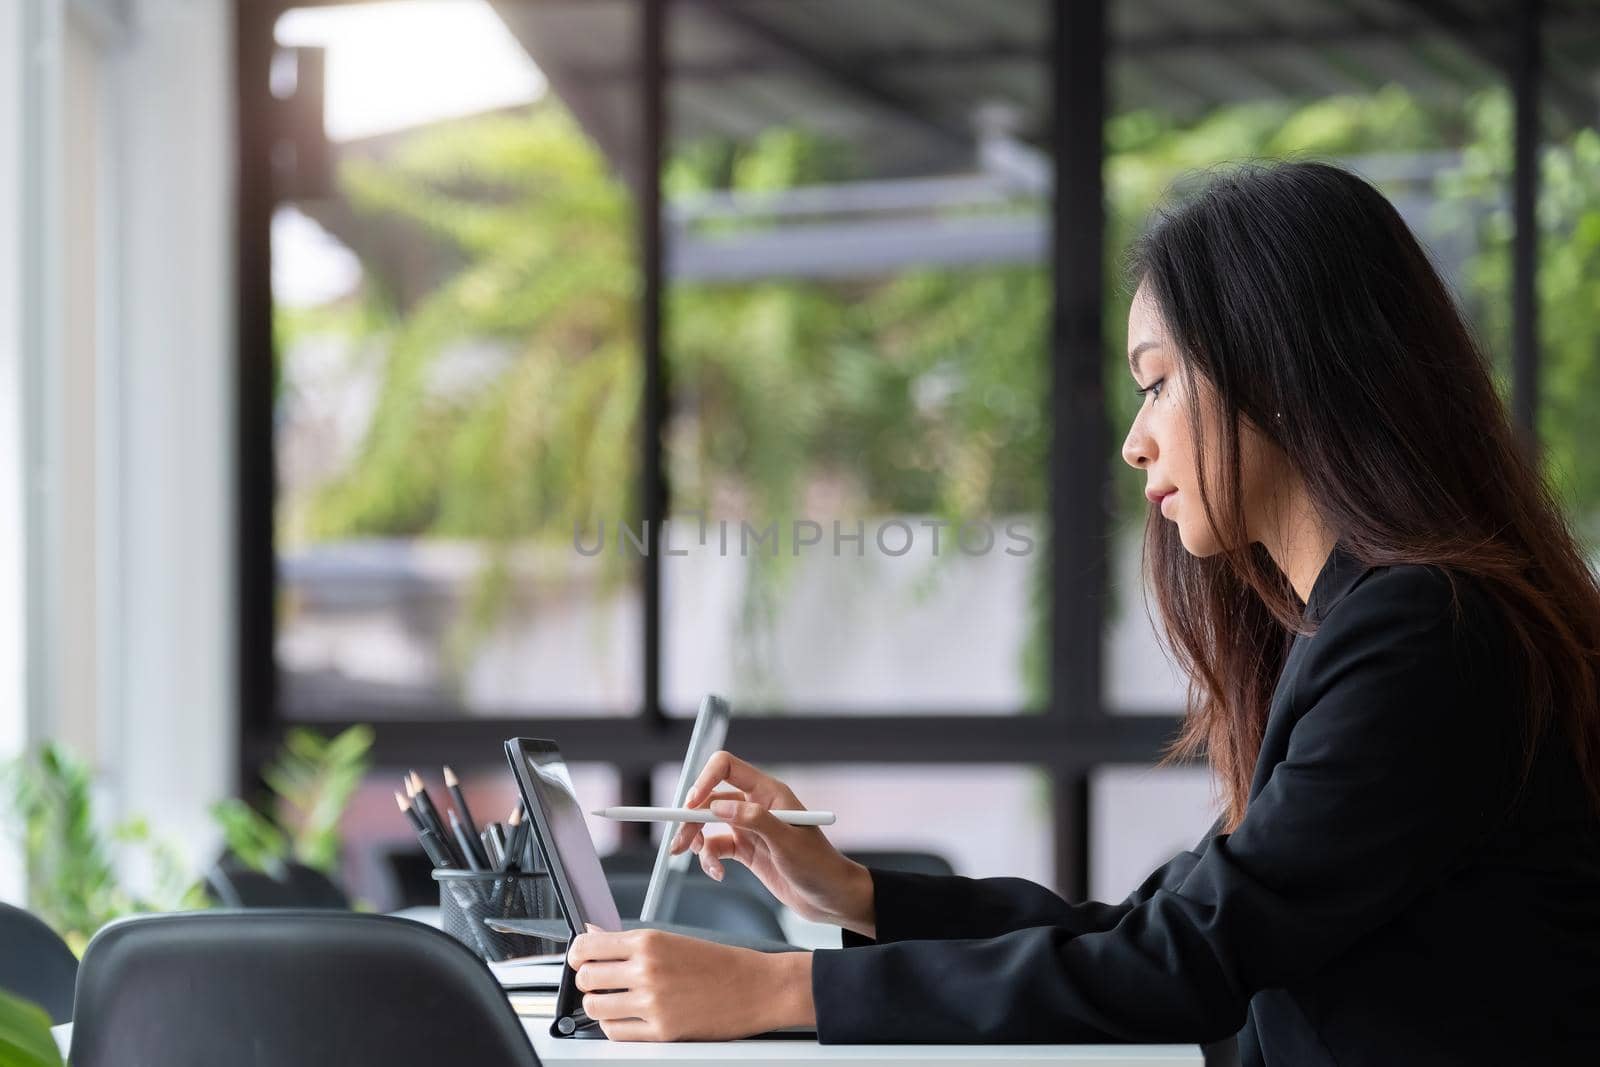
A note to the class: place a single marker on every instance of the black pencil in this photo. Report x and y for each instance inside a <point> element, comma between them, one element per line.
<point>496,835</point>
<point>464,842</point>
<point>453,784</point>
<point>410,814</point>
<point>516,838</point>
<point>437,854</point>
<point>434,846</point>
<point>430,816</point>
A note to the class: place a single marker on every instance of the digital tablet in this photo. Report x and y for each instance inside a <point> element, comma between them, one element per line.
<point>666,877</point>
<point>579,880</point>
<point>563,835</point>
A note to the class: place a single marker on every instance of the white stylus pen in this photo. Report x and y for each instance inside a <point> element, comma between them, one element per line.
<point>626,814</point>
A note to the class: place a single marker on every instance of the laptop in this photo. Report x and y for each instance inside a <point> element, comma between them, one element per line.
<point>580,882</point>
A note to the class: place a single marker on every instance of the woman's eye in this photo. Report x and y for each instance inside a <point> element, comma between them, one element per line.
<point>1153,387</point>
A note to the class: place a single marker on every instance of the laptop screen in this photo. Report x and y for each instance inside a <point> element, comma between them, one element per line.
<point>563,834</point>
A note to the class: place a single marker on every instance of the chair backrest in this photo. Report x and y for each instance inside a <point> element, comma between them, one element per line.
<point>907,861</point>
<point>310,988</point>
<point>705,904</point>
<point>231,884</point>
<point>35,964</point>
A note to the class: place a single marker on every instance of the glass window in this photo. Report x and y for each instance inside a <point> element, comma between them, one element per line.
<point>987,821</point>
<point>1421,115</point>
<point>858,341</point>
<point>1568,278</point>
<point>1139,818</point>
<point>458,367</point>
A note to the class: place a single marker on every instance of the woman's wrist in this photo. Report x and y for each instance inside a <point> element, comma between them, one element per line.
<point>858,910</point>
<point>790,999</point>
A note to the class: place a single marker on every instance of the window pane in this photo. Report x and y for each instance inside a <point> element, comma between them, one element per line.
<point>1568,278</point>
<point>1139,818</point>
<point>455,300</point>
<point>373,827</point>
<point>1421,115</point>
<point>859,333</point>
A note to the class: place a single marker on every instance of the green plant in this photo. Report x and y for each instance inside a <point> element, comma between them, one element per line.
<point>71,877</point>
<point>312,780</point>
<point>920,393</point>
<point>25,1038</point>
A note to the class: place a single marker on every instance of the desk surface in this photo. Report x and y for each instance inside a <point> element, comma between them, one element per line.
<point>558,1052</point>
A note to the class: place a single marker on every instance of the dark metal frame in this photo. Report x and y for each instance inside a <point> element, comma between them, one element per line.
<point>1070,737</point>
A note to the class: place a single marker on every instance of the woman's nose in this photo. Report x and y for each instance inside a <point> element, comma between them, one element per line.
<point>1137,449</point>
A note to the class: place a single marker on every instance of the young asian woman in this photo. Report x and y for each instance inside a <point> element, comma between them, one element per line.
<point>1392,640</point>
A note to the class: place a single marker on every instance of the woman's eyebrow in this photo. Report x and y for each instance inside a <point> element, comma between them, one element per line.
<point>1133,357</point>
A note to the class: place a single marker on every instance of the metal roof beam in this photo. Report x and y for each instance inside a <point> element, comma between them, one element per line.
<point>850,75</point>
<point>1489,39</point>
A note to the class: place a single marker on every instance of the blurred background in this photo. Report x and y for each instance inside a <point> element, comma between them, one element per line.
<point>333,332</point>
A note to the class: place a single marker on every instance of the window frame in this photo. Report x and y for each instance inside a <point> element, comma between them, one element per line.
<point>1072,735</point>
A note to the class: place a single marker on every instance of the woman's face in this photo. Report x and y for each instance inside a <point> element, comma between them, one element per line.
<point>1160,442</point>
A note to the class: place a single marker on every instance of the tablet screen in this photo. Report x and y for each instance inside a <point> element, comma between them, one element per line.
<point>563,835</point>
<point>710,732</point>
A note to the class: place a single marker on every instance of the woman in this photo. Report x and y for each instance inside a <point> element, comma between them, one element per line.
<point>1392,642</point>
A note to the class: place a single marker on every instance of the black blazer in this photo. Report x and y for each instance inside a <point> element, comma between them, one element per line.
<point>1381,902</point>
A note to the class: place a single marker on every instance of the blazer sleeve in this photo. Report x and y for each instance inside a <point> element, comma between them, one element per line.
<point>1390,777</point>
<point>925,907</point>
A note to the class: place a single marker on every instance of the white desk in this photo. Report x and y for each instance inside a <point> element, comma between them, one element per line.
<point>559,1052</point>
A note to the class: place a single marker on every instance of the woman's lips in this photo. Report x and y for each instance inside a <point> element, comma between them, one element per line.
<point>1164,500</point>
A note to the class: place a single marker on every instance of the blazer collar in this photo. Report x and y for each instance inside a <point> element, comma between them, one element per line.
<point>1338,575</point>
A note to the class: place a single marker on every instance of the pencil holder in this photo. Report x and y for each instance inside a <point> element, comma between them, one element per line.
<point>467,898</point>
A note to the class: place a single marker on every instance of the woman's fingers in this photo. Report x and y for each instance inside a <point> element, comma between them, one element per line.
<point>603,1007</point>
<point>597,944</point>
<point>749,815</point>
<point>603,975</point>
<point>689,833</point>
<point>722,767</point>
<point>629,1030</point>
<point>696,835</point>
<point>714,851</point>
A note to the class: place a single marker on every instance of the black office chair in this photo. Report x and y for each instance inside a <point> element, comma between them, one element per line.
<point>309,988</point>
<point>907,861</point>
<point>1224,1053</point>
<point>230,884</point>
<point>705,904</point>
<point>36,964</point>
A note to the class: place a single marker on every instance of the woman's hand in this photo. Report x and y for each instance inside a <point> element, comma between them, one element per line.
<point>796,863</point>
<point>647,985</point>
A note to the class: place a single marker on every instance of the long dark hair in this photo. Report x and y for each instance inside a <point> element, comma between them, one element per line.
<point>1297,288</point>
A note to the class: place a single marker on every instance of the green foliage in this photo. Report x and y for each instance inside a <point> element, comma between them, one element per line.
<point>25,1038</point>
<point>1568,217</point>
<point>542,234</point>
<point>312,781</point>
<point>72,862</point>
<point>72,883</point>
<point>920,393</point>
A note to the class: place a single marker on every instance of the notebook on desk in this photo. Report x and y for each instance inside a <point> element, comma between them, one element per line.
<point>577,877</point>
